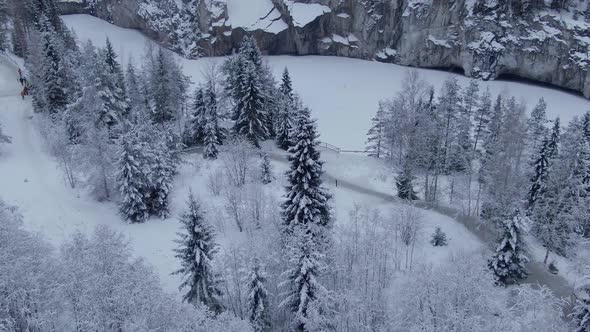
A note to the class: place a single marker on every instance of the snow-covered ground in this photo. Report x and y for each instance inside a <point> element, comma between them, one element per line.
<point>255,14</point>
<point>35,183</point>
<point>329,85</point>
<point>342,93</point>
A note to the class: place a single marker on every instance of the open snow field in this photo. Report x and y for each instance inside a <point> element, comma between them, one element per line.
<point>49,206</point>
<point>331,85</point>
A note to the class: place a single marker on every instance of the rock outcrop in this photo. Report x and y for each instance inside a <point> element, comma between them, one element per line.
<point>482,38</point>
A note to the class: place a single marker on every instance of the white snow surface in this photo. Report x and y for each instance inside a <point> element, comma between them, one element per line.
<point>305,13</point>
<point>343,93</point>
<point>255,14</point>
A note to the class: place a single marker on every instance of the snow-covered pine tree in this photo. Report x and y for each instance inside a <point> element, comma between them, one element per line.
<point>266,175</point>
<point>161,88</point>
<point>115,103</point>
<point>120,90</point>
<point>213,134</point>
<point>249,49</point>
<point>471,97</point>
<point>553,146</point>
<point>439,238</point>
<point>490,138</point>
<point>286,112</point>
<point>52,75</point>
<point>138,102</point>
<point>196,248</point>
<point>581,311</point>
<point>307,299</point>
<point>162,168</point>
<point>450,107</point>
<point>376,135</point>
<point>462,152</point>
<point>286,87</point>
<point>195,127</point>
<point>547,154</point>
<point>307,200</point>
<point>404,183</point>
<point>508,262</point>
<point>539,180</point>
<point>536,124</point>
<point>257,300</point>
<point>251,121</point>
<point>133,178</point>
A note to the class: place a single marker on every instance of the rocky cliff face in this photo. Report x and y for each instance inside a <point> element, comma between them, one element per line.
<point>483,38</point>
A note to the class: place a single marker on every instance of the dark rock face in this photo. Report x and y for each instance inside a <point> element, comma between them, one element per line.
<point>482,38</point>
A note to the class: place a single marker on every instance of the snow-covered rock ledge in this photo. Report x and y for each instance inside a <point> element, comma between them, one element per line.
<point>484,38</point>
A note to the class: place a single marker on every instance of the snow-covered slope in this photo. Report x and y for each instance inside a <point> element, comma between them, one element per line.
<point>33,181</point>
<point>343,93</point>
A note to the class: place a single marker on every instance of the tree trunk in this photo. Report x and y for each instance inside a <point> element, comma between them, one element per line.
<point>546,256</point>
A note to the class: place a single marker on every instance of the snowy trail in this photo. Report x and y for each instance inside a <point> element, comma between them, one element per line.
<point>538,273</point>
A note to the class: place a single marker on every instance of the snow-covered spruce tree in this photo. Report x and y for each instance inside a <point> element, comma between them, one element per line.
<point>450,107</point>
<point>404,183</point>
<point>52,68</point>
<point>307,299</point>
<point>257,301</point>
<point>307,230</point>
<point>508,262</point>
<point>581,311</point>
<point>462,151</point>
<point>562,210</point>
<point>114,102</point>
<point>137,99</point>
<point>195,127</point>
<point>536,125</point>
<point>167,86</point>
<point>133,178</point>
<point>266,175</point>
<point>213,134</point>
<point>539,180</point>
<point>286,112</point>
<point>286,87</point>
<point>251,121</point>
<point>376,135</point>
<point>553,147</point>
<point>307,200</point>
<point>160,84</point>
<point>439,238</point>
<point>195,251</point>
<point>117,77</point>
<point>161,177</point>
<point>237,70</point>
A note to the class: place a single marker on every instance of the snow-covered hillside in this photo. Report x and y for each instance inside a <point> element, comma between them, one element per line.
<point>343,93</point>
<point>36,185</point>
